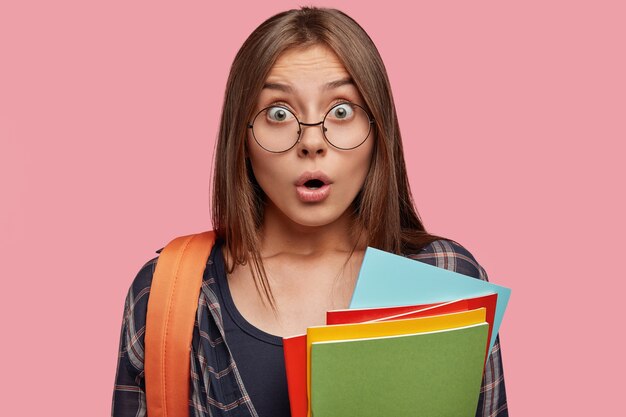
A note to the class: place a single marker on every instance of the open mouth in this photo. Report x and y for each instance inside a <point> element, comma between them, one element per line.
<point>314,184</point>
<point>313,187</point>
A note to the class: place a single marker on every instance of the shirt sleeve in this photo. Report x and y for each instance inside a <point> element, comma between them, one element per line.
<point>129,397</point>
<point>452,256</point>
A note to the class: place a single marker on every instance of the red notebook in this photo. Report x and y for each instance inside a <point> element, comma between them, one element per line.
<point>295,367</point>
<point>360,315</point>
<point>407,312</point>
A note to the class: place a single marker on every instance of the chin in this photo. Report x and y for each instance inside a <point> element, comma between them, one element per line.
<point>317,218</point>
<point>312,224</point>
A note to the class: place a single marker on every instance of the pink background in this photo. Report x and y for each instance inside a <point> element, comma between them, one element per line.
<point>513,117</point>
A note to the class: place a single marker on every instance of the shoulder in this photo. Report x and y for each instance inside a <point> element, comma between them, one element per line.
<point>143,279</point>
<point>451,255</point>
<point>139,291</point>
<point>136,304</point>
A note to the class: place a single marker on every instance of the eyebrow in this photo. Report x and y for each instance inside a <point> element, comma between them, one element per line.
<point>329,86</point>
<point>339,83</point>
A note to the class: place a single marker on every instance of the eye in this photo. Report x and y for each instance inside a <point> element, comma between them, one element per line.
<point>342,111</point>
<point>279,114</point>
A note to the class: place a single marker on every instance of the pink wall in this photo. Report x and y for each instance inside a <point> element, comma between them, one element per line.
<point>513,117</point>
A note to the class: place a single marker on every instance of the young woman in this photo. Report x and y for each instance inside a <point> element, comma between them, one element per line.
<point>309,172</point>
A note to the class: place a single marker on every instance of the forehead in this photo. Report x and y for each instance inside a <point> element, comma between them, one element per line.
<point>310,65</point>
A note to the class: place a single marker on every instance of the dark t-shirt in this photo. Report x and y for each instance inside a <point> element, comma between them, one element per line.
<point>259,355</point>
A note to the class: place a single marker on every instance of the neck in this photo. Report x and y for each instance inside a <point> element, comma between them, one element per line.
<point>283,236</point>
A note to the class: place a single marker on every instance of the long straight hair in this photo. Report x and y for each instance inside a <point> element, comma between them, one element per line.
<point>383,209</point>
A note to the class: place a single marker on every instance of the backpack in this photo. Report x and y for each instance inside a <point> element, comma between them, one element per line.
<point>172,307</point>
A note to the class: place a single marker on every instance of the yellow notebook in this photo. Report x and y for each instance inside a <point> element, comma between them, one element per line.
<point>387,328</point>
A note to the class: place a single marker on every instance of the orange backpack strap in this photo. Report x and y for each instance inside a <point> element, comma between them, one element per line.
<point>172,307</point>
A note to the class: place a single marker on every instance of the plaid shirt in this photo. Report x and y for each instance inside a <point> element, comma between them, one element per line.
<point>216,387</point>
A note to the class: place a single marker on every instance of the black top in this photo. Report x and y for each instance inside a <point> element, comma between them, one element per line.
<point>259,355</point>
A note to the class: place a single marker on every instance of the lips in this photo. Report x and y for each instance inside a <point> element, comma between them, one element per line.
<point>313,187</point>
<point>317,177</point>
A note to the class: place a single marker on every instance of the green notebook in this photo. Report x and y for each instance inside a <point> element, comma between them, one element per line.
<point>435,374</point>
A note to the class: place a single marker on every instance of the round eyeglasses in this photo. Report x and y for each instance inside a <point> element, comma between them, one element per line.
<point>345,126</point>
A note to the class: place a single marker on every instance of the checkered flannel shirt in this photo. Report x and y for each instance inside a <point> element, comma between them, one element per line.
<point>216,387</point>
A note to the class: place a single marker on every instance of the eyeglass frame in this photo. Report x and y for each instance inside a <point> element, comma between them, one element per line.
<point>324,129</point>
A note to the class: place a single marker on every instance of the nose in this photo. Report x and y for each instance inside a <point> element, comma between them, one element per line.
<point>312,140</point>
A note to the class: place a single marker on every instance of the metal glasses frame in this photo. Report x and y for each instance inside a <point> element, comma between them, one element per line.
<point>324,129</point>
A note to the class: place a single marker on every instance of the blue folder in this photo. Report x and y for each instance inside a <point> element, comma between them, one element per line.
<point>387,280</point>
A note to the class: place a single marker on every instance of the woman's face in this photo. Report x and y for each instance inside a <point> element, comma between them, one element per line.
<point>309,82</point>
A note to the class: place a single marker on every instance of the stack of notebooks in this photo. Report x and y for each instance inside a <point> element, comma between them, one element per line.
<point>414,342</point>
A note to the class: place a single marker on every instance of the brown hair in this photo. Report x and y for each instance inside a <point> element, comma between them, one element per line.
<point>384,207</point>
